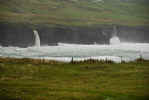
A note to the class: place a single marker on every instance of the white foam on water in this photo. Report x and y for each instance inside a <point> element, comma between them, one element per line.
<point>65,52</point>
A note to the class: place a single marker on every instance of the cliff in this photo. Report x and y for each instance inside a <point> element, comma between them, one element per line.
<point>72,21</point>
<point>22,34</point>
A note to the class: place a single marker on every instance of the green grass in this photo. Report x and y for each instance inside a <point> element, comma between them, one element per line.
<point>71,13</point>
<point>29,79</point>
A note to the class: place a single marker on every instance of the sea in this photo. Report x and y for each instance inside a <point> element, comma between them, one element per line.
<point>65,52</point>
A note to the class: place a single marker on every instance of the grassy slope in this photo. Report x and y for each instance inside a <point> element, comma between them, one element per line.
<point>84,81</point>
<point>69,12</point>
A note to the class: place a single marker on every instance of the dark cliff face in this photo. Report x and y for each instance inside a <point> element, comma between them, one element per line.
<point>82,35</point>
<point>15,35</point>
<point>22,35</point>
<point>134,34</point>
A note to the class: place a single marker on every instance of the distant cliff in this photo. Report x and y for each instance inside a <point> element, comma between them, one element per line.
<point>72,21</point>
<point>22,34</point>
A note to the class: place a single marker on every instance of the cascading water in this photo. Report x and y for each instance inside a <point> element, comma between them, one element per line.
<point>115,39</point>
<point>37,39</point>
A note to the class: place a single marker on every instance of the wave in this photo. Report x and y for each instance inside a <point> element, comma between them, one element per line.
<point>70,44</point>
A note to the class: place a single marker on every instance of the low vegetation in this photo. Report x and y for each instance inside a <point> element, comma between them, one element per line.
<point>30,79</point>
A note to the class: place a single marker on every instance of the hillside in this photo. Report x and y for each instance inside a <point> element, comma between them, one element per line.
<point>75,12</point>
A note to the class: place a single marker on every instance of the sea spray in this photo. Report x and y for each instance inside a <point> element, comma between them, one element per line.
<point>37,39</point>
<point>115,39</point>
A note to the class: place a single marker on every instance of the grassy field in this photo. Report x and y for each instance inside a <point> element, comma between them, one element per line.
<point>75,12</point>
<point>91,80</point>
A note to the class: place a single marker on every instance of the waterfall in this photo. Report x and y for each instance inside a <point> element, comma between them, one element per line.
<point>37,39</point>
<point>115,39</point>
